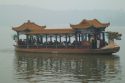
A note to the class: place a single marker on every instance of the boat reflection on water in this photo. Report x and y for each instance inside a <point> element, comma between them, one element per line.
<point>66,68</point>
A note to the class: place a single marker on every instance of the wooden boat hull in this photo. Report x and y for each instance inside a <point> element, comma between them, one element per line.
<point>70,50</point>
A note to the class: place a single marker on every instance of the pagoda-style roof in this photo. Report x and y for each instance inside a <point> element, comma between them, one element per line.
<point>30,26</point>
<point>52,31</point>
<point>89,23</point>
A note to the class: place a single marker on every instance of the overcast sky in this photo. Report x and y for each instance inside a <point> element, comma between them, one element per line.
<point>69,4</point>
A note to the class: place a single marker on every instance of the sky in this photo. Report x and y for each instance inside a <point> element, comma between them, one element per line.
<point>69,4</point>
<point>11,17</point>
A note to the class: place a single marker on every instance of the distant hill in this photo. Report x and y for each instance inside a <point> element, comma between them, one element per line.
<point>12,15</point>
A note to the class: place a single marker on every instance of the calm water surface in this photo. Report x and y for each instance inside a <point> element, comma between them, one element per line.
<point>59,68</point>
<point>17,67</point>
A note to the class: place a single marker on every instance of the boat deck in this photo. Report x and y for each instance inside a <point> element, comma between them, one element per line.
<point>70,50</point>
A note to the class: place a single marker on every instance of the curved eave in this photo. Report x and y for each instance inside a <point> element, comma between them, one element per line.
<point>20,29</point>
<point>15,29</point>
<point>28,26</point>
<point>86,27</point>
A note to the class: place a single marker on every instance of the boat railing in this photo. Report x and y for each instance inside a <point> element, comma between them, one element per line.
<point>50,46</point>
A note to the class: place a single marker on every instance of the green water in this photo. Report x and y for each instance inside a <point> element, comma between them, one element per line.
<point>17,67</point>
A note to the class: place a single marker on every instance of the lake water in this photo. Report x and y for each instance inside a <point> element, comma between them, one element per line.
<point>17,67</point>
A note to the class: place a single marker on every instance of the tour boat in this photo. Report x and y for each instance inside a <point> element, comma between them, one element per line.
<point>87,37</point>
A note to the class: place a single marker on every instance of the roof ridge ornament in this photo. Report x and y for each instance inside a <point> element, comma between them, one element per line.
<point>29,21</point>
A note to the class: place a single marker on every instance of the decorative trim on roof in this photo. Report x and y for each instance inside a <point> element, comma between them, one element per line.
<point>52,31</point>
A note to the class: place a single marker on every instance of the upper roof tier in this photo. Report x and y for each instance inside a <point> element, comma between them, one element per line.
<point>89,23</point>
<point>28,26</point>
